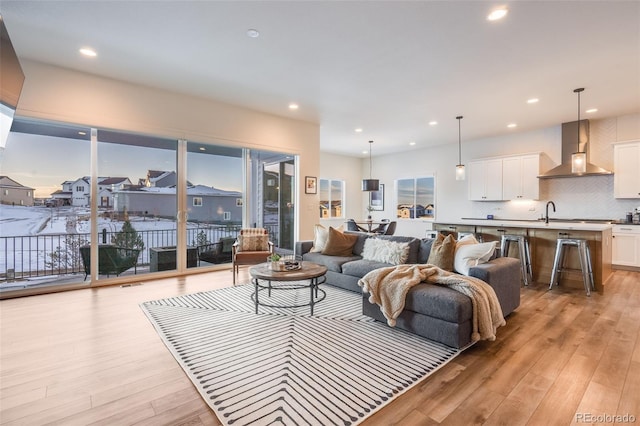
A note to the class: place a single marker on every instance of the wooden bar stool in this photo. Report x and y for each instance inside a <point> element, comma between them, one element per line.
<point>524,253</point>
<point>584,255</point>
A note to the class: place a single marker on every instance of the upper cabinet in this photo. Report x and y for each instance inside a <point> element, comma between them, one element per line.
<point>520,177</point>
<point>626,177</point>
<point>485,180</point>
<point>504,178</point>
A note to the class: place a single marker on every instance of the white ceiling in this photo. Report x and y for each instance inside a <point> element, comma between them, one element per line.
<point>388,67</point>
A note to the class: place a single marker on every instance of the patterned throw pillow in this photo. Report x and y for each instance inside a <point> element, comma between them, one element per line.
<point>442,252</point>
<point>253,242</point>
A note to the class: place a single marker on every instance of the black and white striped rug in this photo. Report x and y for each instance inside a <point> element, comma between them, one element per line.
<point>283,366</point>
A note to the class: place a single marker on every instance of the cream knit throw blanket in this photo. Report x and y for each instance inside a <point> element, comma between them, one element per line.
<point>388,288</point>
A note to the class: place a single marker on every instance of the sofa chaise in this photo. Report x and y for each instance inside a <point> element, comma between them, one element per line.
<point>432,311</point>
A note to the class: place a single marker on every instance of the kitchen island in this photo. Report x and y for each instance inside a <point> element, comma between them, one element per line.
<point>542,238</point>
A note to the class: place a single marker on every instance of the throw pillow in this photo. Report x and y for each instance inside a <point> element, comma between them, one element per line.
<point>253,242</point>
<point>472,255</point>
<point>320,235</point>
<point>385,251</point>
<point>467,239</point>
<point>339,244</point>
<point>442,252</point>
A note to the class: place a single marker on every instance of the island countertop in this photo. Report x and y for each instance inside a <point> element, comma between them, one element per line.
<point>543,238</point>
<point>583,225</point>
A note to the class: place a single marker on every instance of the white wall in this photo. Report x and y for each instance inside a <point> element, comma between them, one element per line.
<point>59,94</point>
<point>585,197</point>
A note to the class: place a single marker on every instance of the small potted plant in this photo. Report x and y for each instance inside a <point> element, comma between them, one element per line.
<point>274,261</point>
<point>369,209</point>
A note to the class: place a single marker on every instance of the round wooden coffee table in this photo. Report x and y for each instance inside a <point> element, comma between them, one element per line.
<point>310,276</point>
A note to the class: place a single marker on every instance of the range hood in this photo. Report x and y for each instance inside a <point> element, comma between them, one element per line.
<point>569,146</point>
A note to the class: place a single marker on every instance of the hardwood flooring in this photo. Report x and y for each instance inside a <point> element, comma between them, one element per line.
<point>92,357</point>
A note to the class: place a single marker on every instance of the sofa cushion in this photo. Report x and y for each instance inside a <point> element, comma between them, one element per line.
<point>333,263</point>
<point>359,245</point>
<point>360,268</point>
<point>339,244</point>
<point>439,302</point>
<point>385,251</point>
<point>414,245</point>
<point>442,252</point>
<point>425,249</point>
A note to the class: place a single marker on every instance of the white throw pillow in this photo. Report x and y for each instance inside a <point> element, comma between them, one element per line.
<point>467,239</point>
<point>385,251</point>
<point>320,236</point>
<point>469,255</point>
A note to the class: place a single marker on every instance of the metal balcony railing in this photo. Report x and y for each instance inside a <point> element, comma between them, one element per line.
<point>31,256</point>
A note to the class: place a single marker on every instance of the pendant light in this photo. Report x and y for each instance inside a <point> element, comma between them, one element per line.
<point>370,184</point>
<point>460,174</point>
<point>579,158</point>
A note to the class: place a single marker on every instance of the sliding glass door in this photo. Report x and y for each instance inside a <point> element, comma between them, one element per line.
<point>214,202</point>
<point>136,203</point>
<point>81,205</point>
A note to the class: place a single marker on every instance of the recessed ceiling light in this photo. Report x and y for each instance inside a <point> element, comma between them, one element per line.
<point>533,101</point>
<point>433,123</point>
<point>497,14</point>
<point>412,143</point>
<point>293,106</point>
<point>87,51</point>
<point>589,111</point>
<point>358,130</point>
<point>365,152</point>
<point>512,125</point>
<point>253,33</point>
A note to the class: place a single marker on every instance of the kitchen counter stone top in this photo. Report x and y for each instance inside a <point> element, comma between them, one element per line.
<point>577,224</point>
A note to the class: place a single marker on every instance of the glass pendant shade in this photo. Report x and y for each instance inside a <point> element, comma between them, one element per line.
<point>460,173</point>
<point>370,185</point>
<point>579,162</point>
<point>578,159</point>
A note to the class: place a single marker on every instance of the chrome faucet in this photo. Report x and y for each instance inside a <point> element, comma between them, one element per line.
<point>546,216</point>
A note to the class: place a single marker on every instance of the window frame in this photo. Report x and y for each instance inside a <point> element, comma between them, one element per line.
<point>322,182</point>
<point>429,214</point>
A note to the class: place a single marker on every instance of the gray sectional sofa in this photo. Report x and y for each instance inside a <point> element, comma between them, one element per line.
<point>432,311</point>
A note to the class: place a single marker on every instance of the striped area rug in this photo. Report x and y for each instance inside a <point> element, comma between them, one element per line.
<point>285,367</point>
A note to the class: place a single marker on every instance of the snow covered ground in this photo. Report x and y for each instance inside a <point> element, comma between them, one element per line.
<point>28,236</point>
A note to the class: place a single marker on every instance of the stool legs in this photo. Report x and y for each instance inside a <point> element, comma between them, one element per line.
<point>584,256</point>
<point>523,253</point>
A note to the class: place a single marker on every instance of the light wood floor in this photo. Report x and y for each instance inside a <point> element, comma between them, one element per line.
<point>92,357</point>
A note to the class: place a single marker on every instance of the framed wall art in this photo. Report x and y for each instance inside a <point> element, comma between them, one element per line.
<point>310,185</point>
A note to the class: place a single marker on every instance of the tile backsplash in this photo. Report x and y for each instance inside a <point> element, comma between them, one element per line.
<point>589,197</point>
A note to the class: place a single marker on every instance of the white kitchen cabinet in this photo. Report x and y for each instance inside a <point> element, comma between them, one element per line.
<point>485,180</point>
<point>520,177</point>
<point>626,245</point>
<point>626,172</point>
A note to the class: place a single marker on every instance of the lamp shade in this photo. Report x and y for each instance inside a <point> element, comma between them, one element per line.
<point>460,172</point>
<point>370,185</point>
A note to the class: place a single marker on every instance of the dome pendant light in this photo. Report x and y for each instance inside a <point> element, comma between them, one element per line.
<point>370,184</point>
<point>460,174</point>
<point>579,158</point>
